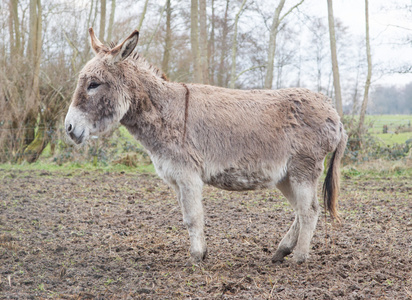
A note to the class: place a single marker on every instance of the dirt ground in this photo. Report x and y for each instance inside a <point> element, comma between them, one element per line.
<point>97,235</point>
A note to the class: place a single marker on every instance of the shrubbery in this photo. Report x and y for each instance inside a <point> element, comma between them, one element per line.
<point>363,146</point>
<point>117,147</point>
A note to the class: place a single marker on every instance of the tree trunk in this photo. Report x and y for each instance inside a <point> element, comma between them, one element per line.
<point>211,48</point>
<point>194,41</point>
<point>11,32</point>
<point>335,66</point>
<point>368,77</point>
<point>89,16</point>
<point>52,104</point>
<point>234,47</point>
<point>203,42</point>
<point>85,55</point>
<point>143,15</point>
<point>155,30</point>
<point>272,45</point>
<point>272,40</point>
<point>223,50</point>
<point>36,147</point>
<point>34,56</point>
<point>102,19</point>
<point>14,28</point>
<point>111,21</point>
<point>168,39</point>
<point>355,94</point>
<point>29,131</point>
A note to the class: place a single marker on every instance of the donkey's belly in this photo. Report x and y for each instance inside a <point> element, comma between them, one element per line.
<point>240,180</point>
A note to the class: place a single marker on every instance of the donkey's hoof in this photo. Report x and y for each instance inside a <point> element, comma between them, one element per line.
<point>193,263</point>
<point>278,259</point>
<point>279,255</point>
<point>197,257</point>
<point>300,258</point>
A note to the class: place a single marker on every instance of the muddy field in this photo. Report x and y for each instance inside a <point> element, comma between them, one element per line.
<point>96,235</point>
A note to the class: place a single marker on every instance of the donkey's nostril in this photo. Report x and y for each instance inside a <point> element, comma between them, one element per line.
<point>69,128</point>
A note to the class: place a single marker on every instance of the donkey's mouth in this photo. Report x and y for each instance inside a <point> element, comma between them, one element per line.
<point>77,139</point>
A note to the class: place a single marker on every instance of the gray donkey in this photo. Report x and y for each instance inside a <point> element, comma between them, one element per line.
<point>232,139</point>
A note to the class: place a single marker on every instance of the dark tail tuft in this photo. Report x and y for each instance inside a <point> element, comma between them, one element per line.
<point>331,185</point>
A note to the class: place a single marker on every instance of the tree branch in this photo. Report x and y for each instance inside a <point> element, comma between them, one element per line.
<point>247,70</point>
<point>290,10</point>
<point>75,50</point>
<point>157,27</point>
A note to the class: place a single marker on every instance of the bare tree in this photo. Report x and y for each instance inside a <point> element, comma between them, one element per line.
<point>194,41</point>
<point>211,47</point>
<point>102,19</point>
<point>168,39</point>
<point>155,29</point>
<point>111,21</point>
<point>356,87</point>
<point>335,66</point>
<point>143,15</point>
<point>277,19</point>
<point>319,49</point>
<point>272,45</point>
<point>91,18</point>
<point>234,47</point>
<point>369,75</point>
<point>203,41</point>
<point>34,56</point>
<point>15,39</point>
<point>225,29</point>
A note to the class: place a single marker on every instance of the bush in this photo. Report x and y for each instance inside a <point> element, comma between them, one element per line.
<point>363,146</point>
<point>117,147</point>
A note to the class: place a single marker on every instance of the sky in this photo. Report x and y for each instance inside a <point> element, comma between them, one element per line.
<point>389,28</point>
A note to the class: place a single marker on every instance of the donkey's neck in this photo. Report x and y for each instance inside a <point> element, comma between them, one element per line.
<point>156,113</point>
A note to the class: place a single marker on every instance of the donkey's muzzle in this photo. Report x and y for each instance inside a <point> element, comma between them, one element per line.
<point>76,125</point>
<point>71,133</point>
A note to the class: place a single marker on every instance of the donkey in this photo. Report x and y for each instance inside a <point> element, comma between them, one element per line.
<point>199,134</point>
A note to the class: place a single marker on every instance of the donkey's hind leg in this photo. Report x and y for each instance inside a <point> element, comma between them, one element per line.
<point>288,243</point>
<point>307,208</point>
<point>190,192</point>
<point>302,196</point>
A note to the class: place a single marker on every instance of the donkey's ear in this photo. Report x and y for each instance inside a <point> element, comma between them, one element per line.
<point>122,51</point>
<point>97,46</point>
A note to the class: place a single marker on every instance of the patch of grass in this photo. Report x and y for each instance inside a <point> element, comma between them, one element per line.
<point>392,121</point>
<point>378,168</point>
<point>399,128</point>
<point>393,138</point>
<point>75,166</point>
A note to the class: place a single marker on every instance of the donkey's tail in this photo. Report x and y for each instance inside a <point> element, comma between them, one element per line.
<point>331,185</point>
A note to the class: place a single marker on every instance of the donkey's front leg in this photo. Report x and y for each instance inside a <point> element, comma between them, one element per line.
<point>191,203</point>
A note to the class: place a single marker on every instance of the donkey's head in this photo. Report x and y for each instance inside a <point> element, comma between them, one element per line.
<point>102,96</point>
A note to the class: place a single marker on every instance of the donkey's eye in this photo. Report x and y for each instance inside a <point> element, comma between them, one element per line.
<point>93,85</point>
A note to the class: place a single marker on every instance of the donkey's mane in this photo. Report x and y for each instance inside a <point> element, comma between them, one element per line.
<point>143,62</point>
